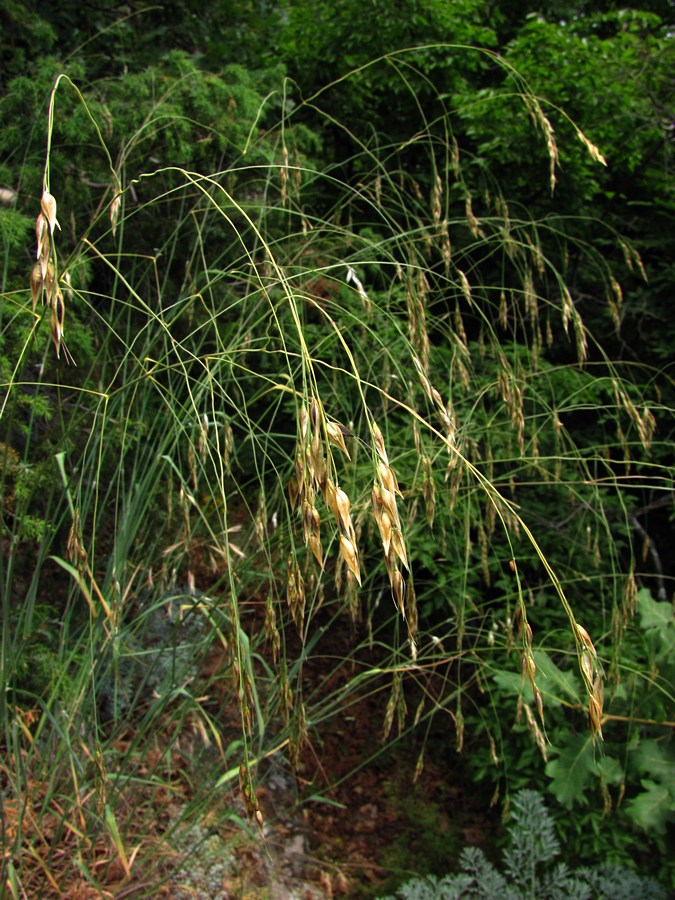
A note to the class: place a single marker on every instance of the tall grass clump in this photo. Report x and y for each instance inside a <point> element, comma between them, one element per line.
<point>249,398</point>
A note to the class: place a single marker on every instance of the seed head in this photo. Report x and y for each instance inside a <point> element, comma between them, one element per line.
<point>36,283</point>
<point>315,414</point>
<point>336,435</point>
<point>41,234</point>
<point>115,211</point>
<point>384,524</point>
<point>342,504</point>
<point>348,554</point>
<point>378,441</point>
<point>48,206</point>
<point>56,320</point>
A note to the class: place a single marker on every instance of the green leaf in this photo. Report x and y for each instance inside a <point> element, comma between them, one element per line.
<point>553,682</point>
<point>653,808</point>
<point>512,683</point>
<point>610,769</point>
<point>652,757</point>
<point>573,770</point>
<point>654,613</point>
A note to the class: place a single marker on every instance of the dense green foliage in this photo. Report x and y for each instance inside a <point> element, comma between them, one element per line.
<point>346,301</point>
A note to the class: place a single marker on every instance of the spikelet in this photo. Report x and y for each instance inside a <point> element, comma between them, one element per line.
<point>43,278</point>
<point>466,287</point>
<point>295,594</point>
<point>43,243</point>
<point>503,310</point>
<point>336,435</point>
<point>56,320</point>
<point>530,296</point>
<point>311,524</point>
<point>249,796</point>
<point>446,247</point>
<point>542,122</point>
<point>595,154</point>
<point>471,220</point>
<point>396,705</point>
<point>349,554</point>
<point>385,511</point>
<point>593,676</point>
<point>454,156</point>
<point>311,476</point>
<point>75,550</point>
<point>615,301</point>
<point>115,211</point>
<point>436,198</point>
<point>567,308</point>
<point>528,665</point>
<point>535,730</point>
<point>343,511</point>
<point>48,207</point>
<point>226,446</point>
<point>580,338</point>
<point>283,173</point>
<point>271,629</point>
<point>36,283</point>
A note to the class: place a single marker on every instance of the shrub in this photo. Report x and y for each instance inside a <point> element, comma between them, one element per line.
<point>529,870</point>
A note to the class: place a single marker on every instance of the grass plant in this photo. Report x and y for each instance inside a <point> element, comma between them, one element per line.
<point>280,396</point>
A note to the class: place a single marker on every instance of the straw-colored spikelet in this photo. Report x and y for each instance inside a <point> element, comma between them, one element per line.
<point>271,630</point>
<point>644,422</point>
<point>528,665</point>
<point>471,220</point>
<point>580,338</point>
<point>202,439</point>
<point>283,173</point>
<point>43,279</point>
<point>249,796</point>
<point>336,435</point>
<point>385,511</point>
<point>43,243</point>
<point>454,156</point>
<point>349,554</point>
<point>396,705</point>
<point>56,320</point>
<point>530,296</point>
<point>436,201</point>
<point>49,282</point>
<point>36,283</point>
<point>361,291</point>
<point>260,521</point>
<point>592,149</point>
<point>592,674</point>
<point>466,287</point>
<point>342,510</point>
<point>311,524</point>
<point>75,550</point>
<point>446,248</point>
<point>297,734</point>
<point>534,729</point>
<point>378,442</point>
<point>615,301</point>
<point>115,211</point>
<point>48,207</point>
<point>227,446</point>
<point>312,475</point>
